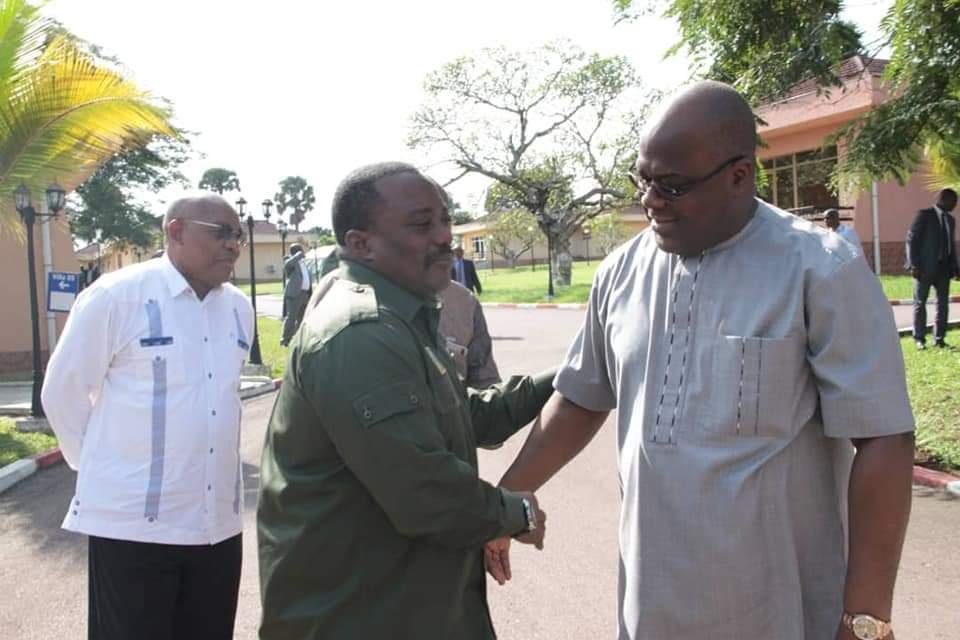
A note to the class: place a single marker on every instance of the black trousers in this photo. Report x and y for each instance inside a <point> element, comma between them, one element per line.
<point>921,290</point>
<point>145,591</point>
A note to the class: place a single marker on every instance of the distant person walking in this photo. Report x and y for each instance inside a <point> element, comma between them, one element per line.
<point>296,293</point>
<point>141,393</point>
<point>831,218</point>
<point>932,261</point>
<point>464,271</point>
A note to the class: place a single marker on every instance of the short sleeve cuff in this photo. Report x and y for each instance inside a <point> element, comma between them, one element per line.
<point>568,384</point>
<point>515,518</point>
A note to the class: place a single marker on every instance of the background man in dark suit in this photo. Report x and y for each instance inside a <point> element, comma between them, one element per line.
<point>932,260</point>
<point>296,293</point>
<point>464,272</point>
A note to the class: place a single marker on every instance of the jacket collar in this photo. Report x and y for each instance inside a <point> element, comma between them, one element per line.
<point>389,294</point>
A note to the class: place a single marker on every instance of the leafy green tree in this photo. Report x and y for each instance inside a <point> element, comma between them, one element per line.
<point>548,125</point>
<point>761,47</point>
<point>765,48</point>
<point>62,114</point>
<point>295,194</point>
<point>322,235</point>
<point>924,112</point>
<point>106,208</point>
<point>219,180</point>
<point>607,232</point>
<point>512,234</point>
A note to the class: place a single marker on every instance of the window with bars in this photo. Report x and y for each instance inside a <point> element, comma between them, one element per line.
<point>801,179</point>
<point>479,248</point>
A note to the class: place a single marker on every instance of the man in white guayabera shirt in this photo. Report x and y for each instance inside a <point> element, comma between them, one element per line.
<point>759,384</point>
<point>142,393</point>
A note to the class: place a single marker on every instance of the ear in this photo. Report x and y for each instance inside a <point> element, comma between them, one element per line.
<point>744,173</point>
<point>358,246</point>
<point>175,231</point>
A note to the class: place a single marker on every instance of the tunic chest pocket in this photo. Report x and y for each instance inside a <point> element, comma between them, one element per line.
<point>152,360</point>
<point>756,386</point>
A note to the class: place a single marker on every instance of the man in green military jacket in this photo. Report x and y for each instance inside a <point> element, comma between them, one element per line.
<point>372,517</point>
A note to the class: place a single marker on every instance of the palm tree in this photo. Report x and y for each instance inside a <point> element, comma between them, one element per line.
<point>61,113</point>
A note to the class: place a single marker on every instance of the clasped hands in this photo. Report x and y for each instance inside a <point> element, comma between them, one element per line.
<point>496,553</point>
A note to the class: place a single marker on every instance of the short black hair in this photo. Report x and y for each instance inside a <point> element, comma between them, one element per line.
<point>295,248</point>
<point>356,196</point>
<point>948,193</point>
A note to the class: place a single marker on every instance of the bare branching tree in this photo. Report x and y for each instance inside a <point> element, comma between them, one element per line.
<point>555,128</point>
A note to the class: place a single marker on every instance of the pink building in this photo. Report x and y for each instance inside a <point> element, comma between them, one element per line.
<point>799,160</point>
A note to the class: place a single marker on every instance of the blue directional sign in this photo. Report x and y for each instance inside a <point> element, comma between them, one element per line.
<point>62,289</point>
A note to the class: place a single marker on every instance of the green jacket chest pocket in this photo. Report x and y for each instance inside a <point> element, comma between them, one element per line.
<point>445,395</point>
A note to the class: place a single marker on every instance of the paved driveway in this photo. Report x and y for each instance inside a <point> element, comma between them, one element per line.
<point>567,591</point>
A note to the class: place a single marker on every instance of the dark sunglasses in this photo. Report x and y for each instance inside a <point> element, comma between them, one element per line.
<point>223,233</point>
<point>672,192</point>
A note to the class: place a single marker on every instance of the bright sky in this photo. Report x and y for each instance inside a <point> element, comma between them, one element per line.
<point>318,88</point>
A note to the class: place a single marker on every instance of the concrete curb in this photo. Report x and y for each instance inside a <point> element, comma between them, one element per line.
<point>936,480</point>
<point>262,390</point>
<point>16,471</point>
<point>26,467</point>
<point>908,303</point>
<point>581,306</point>
<point>908,331</point>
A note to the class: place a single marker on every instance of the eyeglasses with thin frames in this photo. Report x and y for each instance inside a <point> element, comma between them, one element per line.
<point>224,232</point>
<point>672,192</point>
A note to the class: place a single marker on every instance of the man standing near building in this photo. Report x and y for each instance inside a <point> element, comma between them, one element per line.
<point>932,261</point>
<point>464,271</point>
<point>831,218</point>
<point>372,517</point>
<point>759,383</point>
<point>142,394</point>
<point>296,292</point>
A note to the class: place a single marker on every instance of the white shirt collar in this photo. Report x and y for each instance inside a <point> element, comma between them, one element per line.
<point>176,283</point>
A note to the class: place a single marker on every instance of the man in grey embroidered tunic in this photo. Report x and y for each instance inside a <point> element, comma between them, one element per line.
<point>759,382</point>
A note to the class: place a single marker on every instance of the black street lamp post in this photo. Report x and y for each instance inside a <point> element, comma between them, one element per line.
<point>255,357</point>
<point>282,228</point>
<point>533,243</point>
<point>55,201</point>
<point>547,222</point>
<point>586,236</point>
<point>549,266</point>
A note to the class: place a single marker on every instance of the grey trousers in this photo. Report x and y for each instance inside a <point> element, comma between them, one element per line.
<point>294,306</point>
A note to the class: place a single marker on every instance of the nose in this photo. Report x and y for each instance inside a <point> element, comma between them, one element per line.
<point>652,200</point>
<point>443,234</point>
<point>232,245</point>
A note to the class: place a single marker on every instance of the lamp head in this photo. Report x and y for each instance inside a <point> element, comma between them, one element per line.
<point>21,197</point>
<point>56,198</point>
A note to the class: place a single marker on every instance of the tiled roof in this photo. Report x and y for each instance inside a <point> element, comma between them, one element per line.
<point>849,68</point>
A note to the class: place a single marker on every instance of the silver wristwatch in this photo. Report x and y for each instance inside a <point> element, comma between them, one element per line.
<point>530,514</point>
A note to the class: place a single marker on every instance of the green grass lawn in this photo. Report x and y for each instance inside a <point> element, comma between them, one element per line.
<point>897,287</point>
<point>525,285</point>
<point>273,355</point>
<point>933,379</point>
<point>17,376</point>
<point>275,288</point>
<point>15,445</point>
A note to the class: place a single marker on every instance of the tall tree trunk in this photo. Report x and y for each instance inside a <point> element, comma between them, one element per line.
<point>562,262</point>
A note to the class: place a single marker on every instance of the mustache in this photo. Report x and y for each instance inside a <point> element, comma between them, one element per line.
<point>439,254</point>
